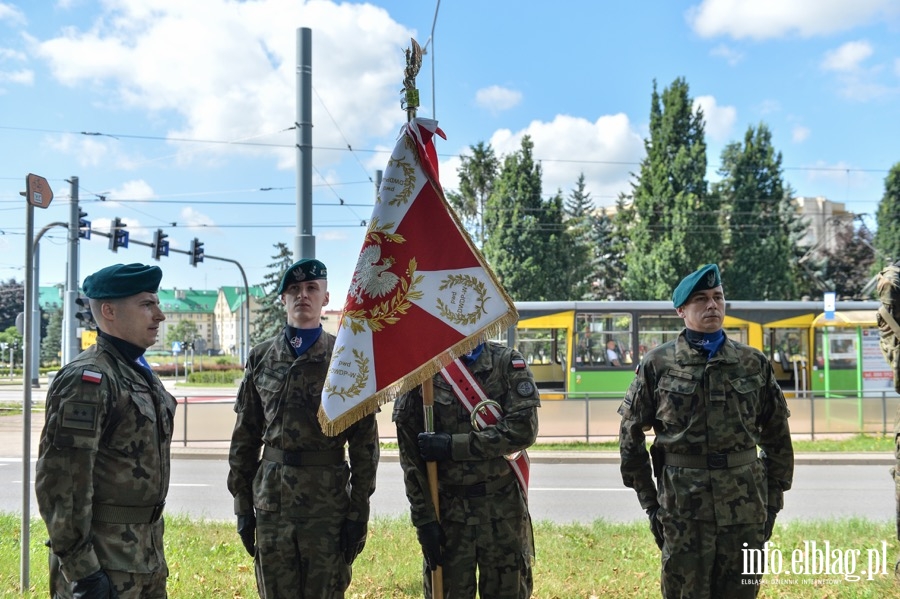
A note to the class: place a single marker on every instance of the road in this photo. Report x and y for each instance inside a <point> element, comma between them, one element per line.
<point>560,492</point>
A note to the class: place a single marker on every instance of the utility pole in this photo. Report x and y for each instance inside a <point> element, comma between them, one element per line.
<point>70,323</point>
<point>305,241</point>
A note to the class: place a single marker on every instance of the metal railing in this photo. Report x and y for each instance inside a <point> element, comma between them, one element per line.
<point>591,417</point>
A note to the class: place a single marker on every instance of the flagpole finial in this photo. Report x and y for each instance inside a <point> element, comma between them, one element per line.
<point>410,100</point>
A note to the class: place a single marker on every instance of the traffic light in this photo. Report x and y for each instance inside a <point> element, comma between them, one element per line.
<point>84,314</point>
<point>84,226</point>
<point>118,237</point>
<point>160,246</point>
<point>196,252</point>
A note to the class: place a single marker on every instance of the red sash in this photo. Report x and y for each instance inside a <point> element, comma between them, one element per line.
<point>470,394</point>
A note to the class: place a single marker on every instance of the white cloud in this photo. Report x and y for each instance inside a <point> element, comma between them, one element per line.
<point>229,74</point>
<point>497,99</point>
<point>764,19</point>
<point>10,54</point>
<point>848,57</point>
<point>194,218</point>
<point>799,134</point>
<point>856,80</point>
<point>22,77</point>
<point>607,151</point>
<point>11,14</point>
<point>133,190</point>
<point>730,55</point>
<point>769,106</point>
<point>839,173</point>
<point>719,119</point>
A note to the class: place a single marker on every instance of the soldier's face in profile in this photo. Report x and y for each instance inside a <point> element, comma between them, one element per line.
<point>135,319</point>
<point>304,301</point>
<point>704,311</point>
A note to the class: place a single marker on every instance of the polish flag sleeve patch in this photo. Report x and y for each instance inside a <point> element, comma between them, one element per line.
<point>90,376</point>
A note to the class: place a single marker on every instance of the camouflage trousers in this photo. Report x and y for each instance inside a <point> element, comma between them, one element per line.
<point>129,585</point>
<point>501,551</point>
<point>701,560</point>
<point>299,559</point>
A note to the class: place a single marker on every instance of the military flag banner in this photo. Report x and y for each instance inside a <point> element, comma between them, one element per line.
<point>421,294</point>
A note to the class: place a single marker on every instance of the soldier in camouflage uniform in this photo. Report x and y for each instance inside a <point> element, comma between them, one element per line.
<point>484,519</point>
<point>103,469</point>
<point>302,510</point>
<point>710,402</point>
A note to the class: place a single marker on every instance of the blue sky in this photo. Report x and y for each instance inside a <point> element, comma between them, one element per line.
<point>194,101</point>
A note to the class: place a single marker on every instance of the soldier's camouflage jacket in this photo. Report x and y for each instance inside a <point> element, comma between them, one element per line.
<point>277,405</point>
<point>726,405</point>
<point>478,456</point>
<point>106,440</point>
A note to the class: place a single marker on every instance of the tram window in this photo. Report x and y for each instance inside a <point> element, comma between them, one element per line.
<point>540,346</point>
<point>603,340</point>
<point>842,351</point>
<point>655,330</point>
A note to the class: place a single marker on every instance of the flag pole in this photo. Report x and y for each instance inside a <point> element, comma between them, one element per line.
<point>410,104</point>
<point>437,575</point>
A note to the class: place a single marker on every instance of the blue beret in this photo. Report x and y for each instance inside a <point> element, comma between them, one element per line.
<point>307,269</point>
<point>122,280</point>
<point>706,277</point>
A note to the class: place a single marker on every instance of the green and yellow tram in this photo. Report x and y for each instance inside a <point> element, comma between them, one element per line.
<point>584,348</point>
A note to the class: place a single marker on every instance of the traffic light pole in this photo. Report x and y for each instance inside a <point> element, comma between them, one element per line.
<point>245,321</point>
<point>36,308</point>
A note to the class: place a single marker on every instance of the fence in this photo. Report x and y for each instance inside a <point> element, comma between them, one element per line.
<point>585,417</point>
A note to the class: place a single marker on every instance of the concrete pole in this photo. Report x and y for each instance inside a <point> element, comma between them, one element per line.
<point>305,241</point>
<point>70,339</point>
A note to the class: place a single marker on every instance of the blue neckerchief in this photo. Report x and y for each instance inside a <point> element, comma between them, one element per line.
<point>708,343</point>
<point>301,339</point>
<point>469,358</point>
<point>142,361</point>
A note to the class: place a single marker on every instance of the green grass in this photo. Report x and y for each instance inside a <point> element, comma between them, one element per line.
<point>600,560</point>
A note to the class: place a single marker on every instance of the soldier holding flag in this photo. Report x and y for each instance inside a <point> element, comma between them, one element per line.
<point>483,522</point>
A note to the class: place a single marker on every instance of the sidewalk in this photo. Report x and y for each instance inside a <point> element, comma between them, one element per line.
<point>11,446</point>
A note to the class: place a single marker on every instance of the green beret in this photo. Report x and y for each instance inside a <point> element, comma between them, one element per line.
<point>307,269</point>
<point>706,277</point>
<point>122,280</point>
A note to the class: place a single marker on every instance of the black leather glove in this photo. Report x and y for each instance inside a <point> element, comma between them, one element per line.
<point>353,539</point>
<point>94,586</point>
<point>432,539</point>
<point>246,527</point>
<point>435,447</point>
<point>656,527</point>
<point>770,524</point>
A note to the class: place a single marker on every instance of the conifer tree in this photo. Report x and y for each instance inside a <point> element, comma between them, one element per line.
<point>762,224</point>
<point>673,220</point>
<point>477,174</point>
<point>271,316</point>
<point>524,233</point>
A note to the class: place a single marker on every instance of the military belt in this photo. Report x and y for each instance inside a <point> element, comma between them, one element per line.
<point>482,489</point>
<point>327,457</point>
<point>712,461</point>
<point>127,514</point>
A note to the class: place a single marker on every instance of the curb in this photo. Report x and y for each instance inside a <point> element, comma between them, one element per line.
<point>588,457</point>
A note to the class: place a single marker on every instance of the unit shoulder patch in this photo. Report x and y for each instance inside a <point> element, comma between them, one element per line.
<point>525,389</point>
<point>79,415</point>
